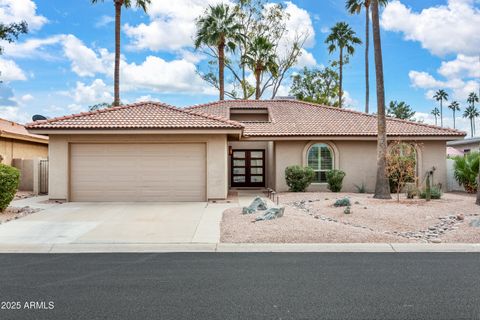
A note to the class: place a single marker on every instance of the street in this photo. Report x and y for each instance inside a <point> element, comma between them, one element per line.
<point>240,286</point>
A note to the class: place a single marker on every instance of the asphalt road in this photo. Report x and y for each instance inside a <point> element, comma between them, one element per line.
<point>241,286</point>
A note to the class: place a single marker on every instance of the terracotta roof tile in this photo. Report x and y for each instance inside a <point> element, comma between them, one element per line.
<point>143,115</point>
<point>13,129</point>
<point>298,118</point>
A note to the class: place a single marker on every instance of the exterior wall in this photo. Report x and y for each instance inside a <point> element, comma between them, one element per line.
<point>474,146</point>
<point>17,149</point>
<point>27,171</point>
<point>269,158</point>
<point>217,181</point>
<point>358,160</point>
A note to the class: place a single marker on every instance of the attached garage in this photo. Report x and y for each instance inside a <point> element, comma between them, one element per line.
<point>138,172</point>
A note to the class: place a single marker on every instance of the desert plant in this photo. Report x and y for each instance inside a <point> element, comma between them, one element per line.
<point>435,193</point>
<point>298,178</point>
<point>401,165</point>
<point>428,190</point>
<point>344,202</point>
<point>466,171</point>
<point>411,190</point>
<point>335,180</point>
<point>9,180</point>
<point>361,188</point>
<point>347,210</point>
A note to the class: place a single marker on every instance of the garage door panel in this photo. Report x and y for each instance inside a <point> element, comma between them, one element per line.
<point>138,172</point>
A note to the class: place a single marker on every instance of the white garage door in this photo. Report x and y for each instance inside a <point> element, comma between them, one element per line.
<point>138,172</point>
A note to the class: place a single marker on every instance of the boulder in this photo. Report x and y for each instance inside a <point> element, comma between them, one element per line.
<point>257,204</point>
<point>271,213</point>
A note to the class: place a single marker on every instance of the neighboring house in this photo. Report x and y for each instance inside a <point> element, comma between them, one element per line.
<point>17,143</point>
<point>154,152</point>
<point>465,145</point>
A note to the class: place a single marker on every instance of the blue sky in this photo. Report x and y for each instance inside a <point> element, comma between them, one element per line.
<point>65,63</point>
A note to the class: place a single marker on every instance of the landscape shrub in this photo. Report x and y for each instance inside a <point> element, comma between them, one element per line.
<point>466,171</point>
<point>298,178</point>
<point>9,180</point>
<point>435,193</point>
<point>344,202</point>
<point>335,180</point>
<point>360,188</point>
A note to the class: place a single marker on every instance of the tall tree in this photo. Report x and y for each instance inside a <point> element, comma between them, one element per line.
<point>259,58</point>
<point>471,113</point>
<point>118,17</point>
<point>441,95</point>
<point>218,28</point>
<point>342,38</point>
<point>316,85</point>
<point>436,113</point>
<point>472,98</point>
<point>400,110</point>
<point>355,7</point>
<point>382,187</point>
<point>454,106</point>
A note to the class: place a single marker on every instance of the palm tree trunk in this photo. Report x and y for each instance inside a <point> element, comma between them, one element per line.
<point>221,69</point>
<point>382,187</point>
<point>367,48</point>
<point>257,80</point>
<point>454,119</point>
<point>340,93</point>
<point>116,76</point>
<point>441,113</point>
<point>478,188</point>
<point>471,127</point>
<point>435,120</point>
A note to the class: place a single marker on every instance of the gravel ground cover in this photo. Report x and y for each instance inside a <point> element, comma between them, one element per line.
<point>312,218</point>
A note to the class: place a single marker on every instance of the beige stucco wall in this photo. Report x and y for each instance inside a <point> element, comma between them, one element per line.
<point>18,149</point>
<point>217,152</point>
<point>357,159</point>
<point>474,146</point>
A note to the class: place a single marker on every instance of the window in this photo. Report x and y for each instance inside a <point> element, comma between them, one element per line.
<point>320,159</point>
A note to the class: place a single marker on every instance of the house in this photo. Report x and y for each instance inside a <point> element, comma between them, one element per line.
<point>155,152</point>
<point>465,146</point>
<point>17,143</point>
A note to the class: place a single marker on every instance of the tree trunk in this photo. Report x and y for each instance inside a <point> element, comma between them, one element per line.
<point>441,113</point>
<point>471,127</point>
<point>116,76</point>
<point>382,187</point>
<point>454,127</point>
<point>478,187</point>
<point>367,48</point>
<point>340,93</point>
<point>257,80</point>
<point>221,69</point>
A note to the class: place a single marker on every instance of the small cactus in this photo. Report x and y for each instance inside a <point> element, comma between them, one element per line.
<point>347,210</point>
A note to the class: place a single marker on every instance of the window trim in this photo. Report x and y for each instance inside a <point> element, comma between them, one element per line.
<point>333,150</point>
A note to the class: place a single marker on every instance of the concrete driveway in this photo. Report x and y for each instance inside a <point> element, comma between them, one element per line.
<point>117,223</point>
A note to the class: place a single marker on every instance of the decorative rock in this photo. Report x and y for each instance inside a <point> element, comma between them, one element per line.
<point>272,213</point>
<point>460,216</point>
<point>257,204</point>
<point>436,240</point>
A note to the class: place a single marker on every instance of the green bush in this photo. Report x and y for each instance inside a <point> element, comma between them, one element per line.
<point>335,180</point>
<point>344,202</point>
<point>9,180</point>
<point>299,178</point>
<point>435,193</point>
<point>360,188</point>
<point>466,171</point>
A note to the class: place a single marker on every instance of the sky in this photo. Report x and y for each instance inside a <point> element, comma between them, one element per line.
<point>65,62</point>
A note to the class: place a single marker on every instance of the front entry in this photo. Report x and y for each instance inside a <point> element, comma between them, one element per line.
<point>248,168</point>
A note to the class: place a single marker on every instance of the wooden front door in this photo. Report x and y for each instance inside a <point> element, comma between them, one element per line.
<point>248,168</point>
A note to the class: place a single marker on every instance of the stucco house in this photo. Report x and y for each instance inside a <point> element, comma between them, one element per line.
<point>155,152</point>
<point>465,146</point>
<point>17,143</point>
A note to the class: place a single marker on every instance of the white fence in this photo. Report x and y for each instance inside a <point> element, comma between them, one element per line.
<point>452,184</point>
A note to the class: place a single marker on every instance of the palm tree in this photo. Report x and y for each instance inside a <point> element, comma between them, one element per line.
<point>118,15</point>
<point>472,98</point>
<point>355,7</point>
<point>261,57</point>
<point>342,37</point>
<point>441,95</point>
<point>218,28</point>
<point>382,187</point>
<point>436,113</point>
<point>454,106</point>
<point>471,113</point>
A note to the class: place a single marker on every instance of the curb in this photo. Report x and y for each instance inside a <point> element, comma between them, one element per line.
<point>240,247</point>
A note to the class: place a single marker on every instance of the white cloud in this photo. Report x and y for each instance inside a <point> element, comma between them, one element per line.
<point>15,114</point>
<point>171,26</point>
<point>461,123</point>
<point>299,23</point>
<point>441,29</point>
<point>462,66</point>
<point>104,20</point>
<point>26,98</point>
<point>96,92</point>
<point>10,71</point>
<point>424,80</point>
<point>19,10</point>
<point>85,61</point>
<point>31,48</point>
<point>147,97</point>
<point>306,59</point>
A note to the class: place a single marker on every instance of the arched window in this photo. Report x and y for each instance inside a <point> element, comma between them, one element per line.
<point>320,159</point>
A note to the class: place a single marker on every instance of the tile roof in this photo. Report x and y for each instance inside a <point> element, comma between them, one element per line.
<point>298,118</point>
<point>142,115</point>
<point>13,130</point>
